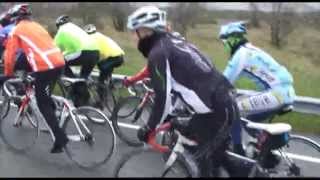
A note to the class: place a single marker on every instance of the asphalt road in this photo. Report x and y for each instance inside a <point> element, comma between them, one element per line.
<point>38,162</point>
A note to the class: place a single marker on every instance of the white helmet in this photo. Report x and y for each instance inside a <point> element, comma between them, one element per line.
<point>90,28</point>
<point>148,16</point>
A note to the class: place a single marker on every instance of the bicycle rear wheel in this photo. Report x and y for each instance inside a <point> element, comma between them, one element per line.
<point>99,143</point>
<point>303,155</point>
<point>115,91</point>
<point>126,120</point>
<point>21,137</point>
<point>149,163</point>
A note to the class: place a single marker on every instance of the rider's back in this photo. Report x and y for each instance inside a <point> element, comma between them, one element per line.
<point>192,74</point>
<point>70,39</point>
<point>107,47</point>
<point>37,44</point>
<point>258,66</point>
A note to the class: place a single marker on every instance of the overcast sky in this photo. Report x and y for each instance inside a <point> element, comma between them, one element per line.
<point>299,6</point>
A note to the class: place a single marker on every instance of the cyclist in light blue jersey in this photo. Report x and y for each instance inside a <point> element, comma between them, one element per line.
<point>273,81</point>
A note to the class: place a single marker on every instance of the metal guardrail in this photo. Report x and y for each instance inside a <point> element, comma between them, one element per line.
<point>301,104</point>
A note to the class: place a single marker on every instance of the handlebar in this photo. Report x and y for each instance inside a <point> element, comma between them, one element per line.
<point>152,138</point>
<point>16,80</point>
<point>132,90</point>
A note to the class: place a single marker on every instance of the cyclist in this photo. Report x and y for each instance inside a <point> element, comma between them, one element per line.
<point>111,55</point>
<point>272,79</point>
<point>180,70</point>
<point>46,62</point>
<point>8,25</point>
<point>78,49</point>
<point>144,73</point>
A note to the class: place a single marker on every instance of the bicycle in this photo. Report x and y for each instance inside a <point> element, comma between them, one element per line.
<point>170,150</point>
<point>112,91</point>
<point>133,111</point>
<point>84,126</point>
<point>290,151</point>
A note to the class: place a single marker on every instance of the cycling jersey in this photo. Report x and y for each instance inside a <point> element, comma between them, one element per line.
<point>143,73</point>
<point>36,43</point>
<point>169,59</point>
<point>107,47</point>
<point>273,80</point>
<point>72,39</point>
<point>258,66</point>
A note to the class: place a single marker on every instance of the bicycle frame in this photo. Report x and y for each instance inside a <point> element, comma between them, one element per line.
<point>68,109</point>
<point>29,99</point>
<point>179,148</point>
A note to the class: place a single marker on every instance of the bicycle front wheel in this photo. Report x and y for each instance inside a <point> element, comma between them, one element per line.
<point>300,157</point>
<point>22,135</point>
<point>98,141</point>
<point>149,163</point>
<point>127,119</point>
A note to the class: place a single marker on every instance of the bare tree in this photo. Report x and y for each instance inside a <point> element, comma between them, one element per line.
<point>119,14</point>
<point>254,15</point>
<point>184,15</point>
<point>281,23</point>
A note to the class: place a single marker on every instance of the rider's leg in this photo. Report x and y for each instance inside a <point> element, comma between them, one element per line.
<point>21,65</point>
<point>256,104</point>
<point>213,129</point>
<point>89,58</point>
<point>46,105</point>
<point>106,69</point>
<point>72,60</point>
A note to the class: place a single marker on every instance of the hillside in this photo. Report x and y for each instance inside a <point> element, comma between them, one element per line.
<point>299,56</point>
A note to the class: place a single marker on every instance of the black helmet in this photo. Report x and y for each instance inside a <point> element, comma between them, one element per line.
<point>20,11</point>
<point>5,19</point>
<point>62,20</point>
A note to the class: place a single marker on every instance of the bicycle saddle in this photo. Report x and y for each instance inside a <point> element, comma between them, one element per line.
<point>274,128</point>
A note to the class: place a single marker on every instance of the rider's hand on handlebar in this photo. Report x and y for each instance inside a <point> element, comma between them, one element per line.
<point>143,133</point>
<point>126,82</point>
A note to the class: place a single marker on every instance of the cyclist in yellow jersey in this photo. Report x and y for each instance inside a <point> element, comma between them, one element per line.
<point>111,55</point>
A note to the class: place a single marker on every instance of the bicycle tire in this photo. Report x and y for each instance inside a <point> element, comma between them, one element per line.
<point>129,136</point>
<point>105,128</point>
<point>115,93</point>
<point>33,120</point>
<point>4,108</point>
<point>301,144</point>
<point>183,159</point>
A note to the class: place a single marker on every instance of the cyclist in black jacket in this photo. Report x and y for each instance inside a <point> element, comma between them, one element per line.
<point>179,71</point>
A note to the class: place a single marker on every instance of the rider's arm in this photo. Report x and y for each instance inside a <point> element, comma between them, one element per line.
<point>144,73</point>
<point>10,54</point>
<point>235,66</point>
<point>158,72</point>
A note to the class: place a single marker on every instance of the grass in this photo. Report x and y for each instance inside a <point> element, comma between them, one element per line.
<point>300,56</point>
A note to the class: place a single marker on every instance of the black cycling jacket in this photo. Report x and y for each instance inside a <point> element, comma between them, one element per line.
<point>178,68</point>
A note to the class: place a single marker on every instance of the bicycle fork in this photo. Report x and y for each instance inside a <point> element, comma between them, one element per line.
<point>21,109</point>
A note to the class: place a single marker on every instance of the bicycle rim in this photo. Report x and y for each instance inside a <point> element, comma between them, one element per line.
<point>126,127</point>
<point>5,107</point>
<point>148,163</point>
<point>99,145</point>
<point>304,154</point>
<point>23,137</point>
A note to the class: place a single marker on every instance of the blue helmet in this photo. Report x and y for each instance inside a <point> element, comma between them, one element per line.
<point>231,29</point>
